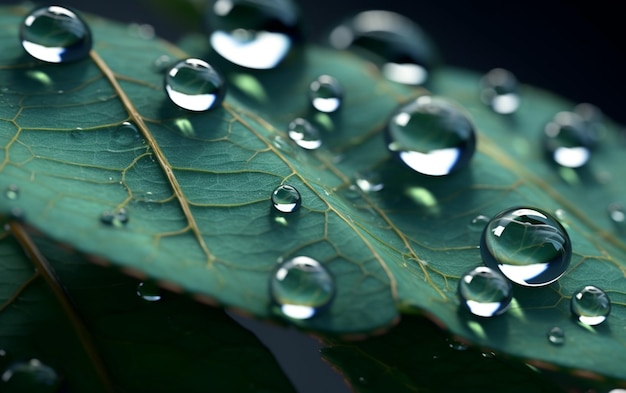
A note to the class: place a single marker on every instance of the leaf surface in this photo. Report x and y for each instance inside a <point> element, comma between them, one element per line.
<point>197,187</point>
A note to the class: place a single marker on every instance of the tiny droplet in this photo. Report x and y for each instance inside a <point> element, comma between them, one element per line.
<point>556,336</point>
<point>484,292</point>
<point>369,181</point>
<point>117,218</point>
<point>617,214</point>
<point>499,91</point>
<point>326,94</point>
<point>194,85</point>
<point>149,291</point>
<point>304,134</point>
<point>12,192</point>
<point>478,223</point>
<point>286,199</point>
<point>590,305</point>
<point>566,140</point>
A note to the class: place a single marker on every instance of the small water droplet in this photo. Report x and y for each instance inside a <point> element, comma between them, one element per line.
<point>594,120</point>
<point>431,136</point>
<point>529,246</point>
<point>499,91</point>
<point>556,336</point>
<point>617,214</point>
<point>149,291</point>
<point>116,218</point>
<point>304,134</point>
<point>567,141</point>
<point>484,292</point>
<point>590,305</point>
<point>326,94</point>
<point>456,345</point>
<point>162,63</point>
<point>301,287</point>
<point>286,199</point>
<point>194,85</point>
<point>12,192</point>
<point>478,223</point>
<point>369,181</point>
<point>253,34</point>
<point>141,30</point>
<point>126,134</point>
<point>77,133</point>
<point>30,376</point>
<point>55,35</point>
<point>395,43</point>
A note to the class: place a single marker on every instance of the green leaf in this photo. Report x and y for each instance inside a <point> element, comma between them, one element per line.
<point>132,345</point>
<point>197,187</point>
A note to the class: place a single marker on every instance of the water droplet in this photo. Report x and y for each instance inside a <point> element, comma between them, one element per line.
<point>369,181</point>
<point>499,91</point>
<point>590,305</point>
<point>456,345</point>
<point>302,287</point>
<point>326,94</point>
<point>305,134</point>
<point>527,245</point>
<point>478,223</point>
<point>126,134</point>
<point>149,291</point>
<point>484,292</point>
<point>77,133</point>
<point>55,35</point>
<point>194,85</point>
<point>567,141</point>
<point>117,218</point>
<point>12,192</point>
<point>286,199</point>
<point>400,48</point>
<point>144,31</point>
<point>431,136</point>
<point>594,120</point>
<point>617,214</point>
<point>556,336</point>
<point>162,63</point>
<point>30,376</point>
<point>251,33</point>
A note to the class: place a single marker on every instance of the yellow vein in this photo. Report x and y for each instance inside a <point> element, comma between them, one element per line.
<point>47,272</point>
<point>136,117</point>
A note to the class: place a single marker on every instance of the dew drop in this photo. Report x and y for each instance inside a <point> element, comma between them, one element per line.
<point>304,134</point>
<point>194,85</point>
<point>617,214</point>
<point>12,192</point>
<point>498,89</point>
<point>149,291</point>
<point>55,35</point>
<point>484,292</point>
<point>30,376</point>
<point>395,43</point>
<point>556,336</point>
<point>567,141</point>
<point>255,34</point>
<point>326,94</point>
<point>126,135</point>
<point>301,287</point>
<point>431,136</point>
<point>590,305</point>
<point>527,245</point>
<point>117,218</point>
<point>369,181</point>
<point>286,199</point>
<point>478,223</point>
<point>162,63</point>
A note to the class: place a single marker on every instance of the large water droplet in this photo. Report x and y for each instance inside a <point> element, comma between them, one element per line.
<point>116,218</point>
<point>30,376</point>
<point>149,291</point>
<point>499,91</point>
<point>527,245</point>
<point>431,136</point>
<point>400,48</point>
<point>567,141</point>
<point>305,134</point>
<point>255,34</point>
<point>194,85</point>
<point>484,292</point>
<point>301,287</point>
<point>55,35</point>
<point>12,192</point>
<point>326,94</point>
<point>286,199</point>
<point>556,336</point>
<point>590,305</point>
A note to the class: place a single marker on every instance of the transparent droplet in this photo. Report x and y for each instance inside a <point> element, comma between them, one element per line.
<point>478,223</point>
<point>301,287</point>
<point>527,245</point>
<point>194,85</point>
<point>12,192</point>
<point>30,376</point>
<point>590,305</point>
<point>256,34</point>
<point>498,89</point>
<point>485,292</point>
<point>304,134</point>
<point>117,218</point>
<point>286,199</point>
<point>162,63</point>
<point>567,141</point>
<point>369,181</point>
<point>431,136</point>
<point>126,135</point>
<point>395,43</point>
<point>556,336</point>
<point>149,291</point>
<point>55,34</point>
<point>617,214</point>
<point>326,94</point>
